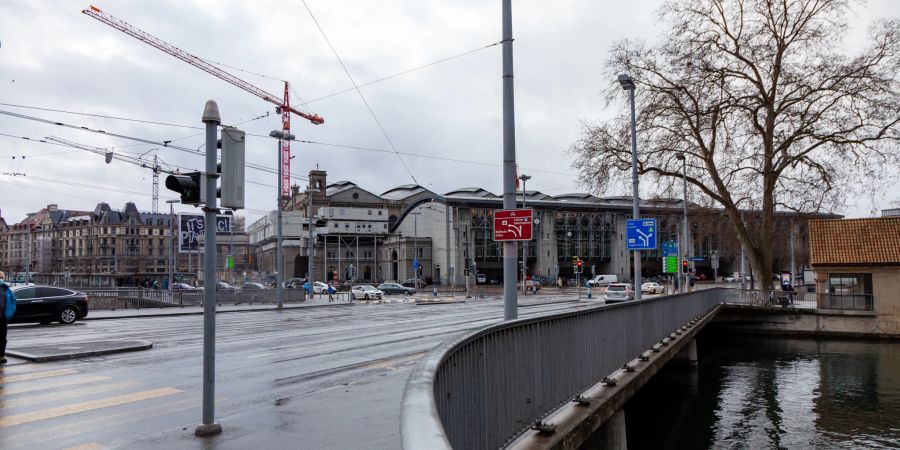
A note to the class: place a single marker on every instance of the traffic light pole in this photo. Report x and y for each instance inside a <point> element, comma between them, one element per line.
<point>209,427</point>
<point>510,248</point>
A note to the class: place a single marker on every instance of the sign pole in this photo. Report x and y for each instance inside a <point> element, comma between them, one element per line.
<point>209,427</point>
<point>510,248</point>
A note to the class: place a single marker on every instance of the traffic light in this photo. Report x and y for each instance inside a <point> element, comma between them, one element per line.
<point>579,266</point>
<point>684,266</point>
<point>188,185</point>
<point>191,186</point>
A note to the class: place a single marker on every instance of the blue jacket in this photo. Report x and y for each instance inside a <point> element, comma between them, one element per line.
<point>9,306</point>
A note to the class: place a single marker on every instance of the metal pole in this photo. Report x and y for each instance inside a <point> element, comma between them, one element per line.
<point>510,250</point>
<point>310,244</point>
<point>416,249</point>
<point>279,250</point>
<point>524,178</point>
<point>743,261</point>
<point>447,247</point>
<point>172,267</point>
<point>793,267</point>
<point>635,195</point>
<point>209,427</point>
<point>684,285</point>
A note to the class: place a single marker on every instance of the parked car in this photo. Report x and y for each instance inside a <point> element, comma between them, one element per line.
<point>395,288</point>
<point>294,283</point>
<point>223,286</point>
<point>652,288</point>
<point>182,287</point>
<point>319,287</point>
<point>619,292</point>
<point>366,292</point>
<point>253,286</point>
<point>480,278</point>
<point>45,304</point>
<point>412,283</point>
<point>602,280</point>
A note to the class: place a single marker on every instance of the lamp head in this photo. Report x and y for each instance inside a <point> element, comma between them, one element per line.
<point>626,81</point>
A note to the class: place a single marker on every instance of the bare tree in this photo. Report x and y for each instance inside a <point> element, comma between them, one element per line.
<point>769,113</point>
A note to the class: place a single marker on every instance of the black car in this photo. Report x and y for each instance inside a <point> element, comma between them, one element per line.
<point>395,288</point>
<point>412,283</point>
<point>47,304</point>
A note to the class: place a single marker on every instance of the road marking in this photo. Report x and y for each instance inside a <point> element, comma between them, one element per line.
<point>76,408</point>
<point>29,438</point>
<point>36,375</point>
<point>88,446</point>
<point>75,393</point>
<point>40,387</point>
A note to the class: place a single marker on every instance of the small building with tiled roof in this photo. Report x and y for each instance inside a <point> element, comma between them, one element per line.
<point>857,265</point>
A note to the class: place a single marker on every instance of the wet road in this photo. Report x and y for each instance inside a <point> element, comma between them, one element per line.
<point>324,377</point>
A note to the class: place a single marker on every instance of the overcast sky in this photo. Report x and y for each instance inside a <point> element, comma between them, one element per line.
<point>52,56</point>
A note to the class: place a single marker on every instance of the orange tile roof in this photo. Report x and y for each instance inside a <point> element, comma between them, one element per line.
<point>855,241</point>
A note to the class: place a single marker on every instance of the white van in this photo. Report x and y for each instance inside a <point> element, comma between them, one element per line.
<point>602,280</point>
<point>481,278</point>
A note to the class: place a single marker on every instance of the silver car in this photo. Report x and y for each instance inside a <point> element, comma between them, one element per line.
<point>619,292</point>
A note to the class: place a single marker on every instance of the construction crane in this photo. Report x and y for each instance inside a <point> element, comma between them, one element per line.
<point>110,155</point>
<point>283,106</point>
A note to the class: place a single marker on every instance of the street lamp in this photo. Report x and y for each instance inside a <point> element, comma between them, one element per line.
<point>310,244</point>
<point>682,249</point>
<point>628,84</point>
<point>172,267</point>
<point>279,251</point>
<point>524,178</point>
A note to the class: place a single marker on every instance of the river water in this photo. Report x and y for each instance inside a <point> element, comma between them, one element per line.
<point>752,392</point>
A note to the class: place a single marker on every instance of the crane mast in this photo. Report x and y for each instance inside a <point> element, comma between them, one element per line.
<point>283,105</point>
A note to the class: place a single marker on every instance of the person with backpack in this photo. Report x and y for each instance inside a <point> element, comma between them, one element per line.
<point>7,309</point>
<point>330,291</point>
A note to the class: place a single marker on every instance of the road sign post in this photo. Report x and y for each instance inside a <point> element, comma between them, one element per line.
<point>641,234</point>
<point>513,224</point>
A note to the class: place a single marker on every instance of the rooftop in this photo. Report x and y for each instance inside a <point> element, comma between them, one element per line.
<point>855,241</point>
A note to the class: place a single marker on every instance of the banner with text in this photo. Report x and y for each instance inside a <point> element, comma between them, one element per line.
<point>191,228</point>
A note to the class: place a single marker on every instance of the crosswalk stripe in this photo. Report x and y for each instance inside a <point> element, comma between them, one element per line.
<point>28,439</point>
<point>42,386</point>
<point>72,393</point>
<point>88,446</point>
<point>36,375</point>
<point>51,413</point>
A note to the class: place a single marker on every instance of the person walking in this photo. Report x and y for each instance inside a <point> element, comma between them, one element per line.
<point>330,291</point>
<point>7,309</point>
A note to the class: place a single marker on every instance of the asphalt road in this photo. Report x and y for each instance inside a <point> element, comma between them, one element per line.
<point>323,377</point>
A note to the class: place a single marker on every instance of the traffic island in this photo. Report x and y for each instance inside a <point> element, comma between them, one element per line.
<point>56,352</point>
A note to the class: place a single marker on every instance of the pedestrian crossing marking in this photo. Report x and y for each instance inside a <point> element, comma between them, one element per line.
<point>103,422</point>
<point>88,446</point>
<point>74,393</point>
<point>36,375</point>
<point>59,411</point>
<point>40,387</point>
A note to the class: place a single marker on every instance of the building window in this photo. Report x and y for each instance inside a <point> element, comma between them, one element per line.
<point>379,212</point>
<point>421,252</point>
<point>849,291</point>
<point>348,254</point>
<point>332,254</point>
<point>370,212</point>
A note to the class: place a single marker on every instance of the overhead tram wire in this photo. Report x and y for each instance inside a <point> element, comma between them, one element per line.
<point>358,91</point>
<point>168,144</point>
<point>410,70</point>
<point>148,141</point>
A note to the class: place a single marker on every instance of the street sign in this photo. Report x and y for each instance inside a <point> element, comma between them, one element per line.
<point>714,261</point>
<point>670,257</point>
<point>513,224</point>
<point>415,264</point>
<point>641,234</point>
<point>697,259</point>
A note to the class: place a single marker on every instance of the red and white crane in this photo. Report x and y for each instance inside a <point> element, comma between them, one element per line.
<point>283,106</point>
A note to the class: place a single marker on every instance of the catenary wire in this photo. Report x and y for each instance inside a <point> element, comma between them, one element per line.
<point>358,91</point>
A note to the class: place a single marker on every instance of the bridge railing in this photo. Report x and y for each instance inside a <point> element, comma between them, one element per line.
<point>770,298</point>
<point>482,390</point>
<point>136,298</point>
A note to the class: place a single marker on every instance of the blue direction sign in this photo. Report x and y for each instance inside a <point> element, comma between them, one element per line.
<point>415,264</point>
<point>698,258</point>
<point>641,234</point>
<point>670,248</point>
